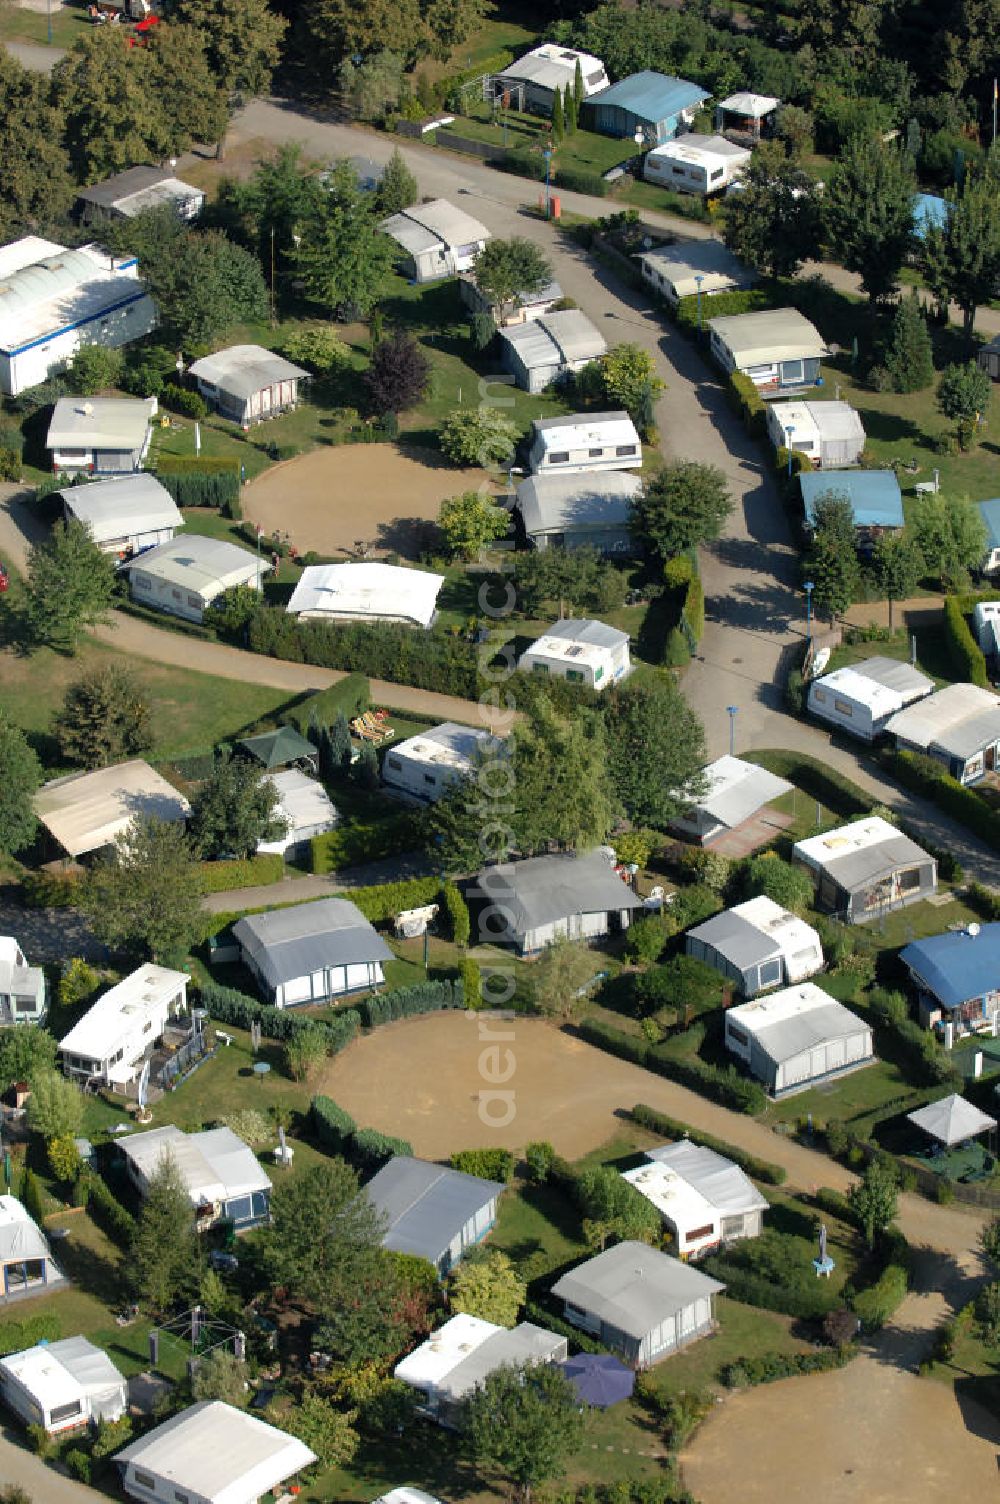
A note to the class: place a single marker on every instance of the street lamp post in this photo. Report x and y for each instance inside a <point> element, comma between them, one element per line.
<point>49,11</point>
<point>547,154</point>
<point>699,279</point>
<point>788,442</point>
<point>731,711</point>
<point>809,587</point>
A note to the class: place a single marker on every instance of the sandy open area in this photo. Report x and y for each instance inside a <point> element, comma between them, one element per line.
<point>332,499</point>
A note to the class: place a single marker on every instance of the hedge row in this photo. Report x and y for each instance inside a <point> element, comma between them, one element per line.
<point>967,657</point>
<point>431,659</point>
<point>814,778</point>
<point>693,609</point>
<point>384,900</point>
<point>362,841</point>
<point>722,1084</point>
<point>226,1005</point>
<point>248,872</point>
<point>15,1336</point>
<point>876,1304</point>
<point>456,912</point>
<point>743,1373</point>
<point>807,1302</point>
<point>748,402</point>
<point>336,1130</point>
<point>220,490</point>
<point>488,1164</point>
<point>194,464</point>
<point>926,776</point>
<point>349,697</point>
<point>410,1002</point>
<point>107,1211</point>
<point>719,305</point>
<point>542,1316</point>
<point>659,1122</point>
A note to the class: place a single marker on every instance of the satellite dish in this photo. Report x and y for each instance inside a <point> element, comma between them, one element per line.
<point>973,929</point>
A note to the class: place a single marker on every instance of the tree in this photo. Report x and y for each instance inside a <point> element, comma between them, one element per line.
<point>235,809</point>
<point>328,31</point>
<point>93,369</point>
<point>164,1253</point>
<point>321,350</point>
<point>194,102</point>
<point>868,209</point>
<point>64,1158</point>
<point>772,222</point>
<point>487,1286</point>
<point>340,748</point>
<point>832,558</point>
<point>232,611</point>
<point>55,1107</point>
<point>364,768</point>
<point>526,1422</point>
<point>562,792</point>
<point>874,1200</point>
<point>25,1054</point>
<point>898,566</point>
<point>20,776</point>
<point>578,90</point>
<point>963,395</point>
<point>612,1207</point>
<point>989,1241</point>
<point>656,749</point>
<point>558,117</point>
<point>769,876</point>
<point>397,375</point>
<point>244,43</point>
<point>342,257</point>
<point>909,357</point>
<point>962,257</point>
<point>147,894</point>
<point>469,522</point>
<point>104,718</point>
<point>35,186</point>
<point>629,379</point>
<point>950,534</point>
<point>478,436</point>
<point>372,87</point>
<point>112,118</point>
<point>574,578</point>
<point>560,977</point>
<point>452,22</point>
<point>398,188</point>
<point>682,505</point>
<point>70,586</point>
<point>328,1432</point>
<point>795,131</point>
<point>504,269</point>
<point>221,1376</point>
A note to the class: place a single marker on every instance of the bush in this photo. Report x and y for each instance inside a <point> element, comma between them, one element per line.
<point>472,983</point>
<point>10,463</point>
<point>646,939</point>
<point>349,697</point>
<point>719,305</point>
<point>676,649</point>
<point>744,1373</point>
<point>373,1149</point>
<point>876,1304</point>
<point>180,400</point>
<point>49,890</point>
<point>368,841</point>
<point>333,1127</point>
<point>834,1203</point>
<point>578,180</point>
<point>456,914</point>
<point>383,901</point>
<point>78,1463</point>
<point>108,1212</point>
<point>488,1164</point>
<point>748,403</point>
<point>693,610</point>
<point>673,1128</point>
<point>207,488</point>
<point>539,1157</point>
<point>247,872</point>
<point>968,662</point>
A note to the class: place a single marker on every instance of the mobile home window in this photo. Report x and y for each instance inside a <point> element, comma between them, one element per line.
<point>561,457</point>
<point>394,762</point>
<point>793,370</point>
<point>716,175</point>
<point>539,668</point>
<point>624,449</point>
<point>595,454</point>
<point>574,676</point>
<point>697,1233</point>
<point>144,1480</point>
<point>770,972</point>
<point>842,708</point>
<point>64,1412</point>
<point>737,1034</point>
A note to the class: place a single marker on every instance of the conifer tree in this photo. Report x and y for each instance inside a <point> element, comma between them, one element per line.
<point>908,358</point>
<point>558,117</point>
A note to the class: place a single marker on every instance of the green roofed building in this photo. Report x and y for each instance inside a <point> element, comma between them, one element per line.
<point>279,749</point>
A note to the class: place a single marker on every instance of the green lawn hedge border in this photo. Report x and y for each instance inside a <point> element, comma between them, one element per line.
<point>659,1122</point>
<point>745,1373</point>
<point>249,872</point>
<point>723,1084</point>
<point>966,655</point>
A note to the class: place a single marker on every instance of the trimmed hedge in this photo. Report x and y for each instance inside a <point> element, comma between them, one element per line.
<point>744,1373</point>
<point>966,655</point>
<point>659,1122</point>
<point>542,1316</point>
<point>248,872</point>
<point>108,1212</point>
<point>220,489</point>
<point>748,402</point>
<point>331,1124</point>
<point>876,1304</point>
<point>814,778</point>
<point>362,841</point>
<point>350,696</point>
<point>410,1002</point>
<point>15,1336</point>
<point>373,1149</point>
<point>456,913</point>
<point>693,609</point>
<point>384,900</point>
<point>226,1005</point>
<point>719,305</point>
<point>808,1302</point>
<point>722,1084</point>
<point>926,776</point>
<point>488,1164</point>
<point>431,659</point>
<point>195,464</point>
<point>578,180</point>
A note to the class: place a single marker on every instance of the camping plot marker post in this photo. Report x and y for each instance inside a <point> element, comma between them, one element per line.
<point>731,711</point>
<point>699,279</point>
<point>809,587</point>
<point>788,440</point>
<point>547,154</point>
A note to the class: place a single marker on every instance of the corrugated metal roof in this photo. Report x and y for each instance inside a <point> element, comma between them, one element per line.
<point>544,889</point>
<point>830,420</point>
<point>607,428</point>
<point>861,852</point>
<point>652,96</point>
<point>770,334</point>
<point>60,291</point>
<point>874,495</point>
<point>552,66</point>
<point>957,966</point>
<point>244,370</point>
<point>426,1205</point>
<point>741,943</point>
<point>220,1453</point>
<point>290,943</point>
<point>112,509</point>
<point>423,226</point>
<point>560,503</point>
<point>706,151</point>
<point>214,1165</point>
<point>205,566</point>
<point>523,1344</point>
<point>634,1287</point>
<point>303,803</point>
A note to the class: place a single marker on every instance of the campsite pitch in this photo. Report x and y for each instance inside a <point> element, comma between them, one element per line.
<point>335,499</point>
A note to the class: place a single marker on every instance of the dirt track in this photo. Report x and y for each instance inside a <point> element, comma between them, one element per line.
<point>335,498</point>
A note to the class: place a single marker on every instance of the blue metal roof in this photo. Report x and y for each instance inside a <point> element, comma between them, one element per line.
<point>989,511</point>
<point>956,967</point>
<point>874,494</point>
<point>929,211</point>
<point>651,96</point>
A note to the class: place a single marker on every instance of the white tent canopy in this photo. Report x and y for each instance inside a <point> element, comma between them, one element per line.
<point>952,1120</point>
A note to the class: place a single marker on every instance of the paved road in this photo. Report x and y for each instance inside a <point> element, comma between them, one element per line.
<point>36,57</point>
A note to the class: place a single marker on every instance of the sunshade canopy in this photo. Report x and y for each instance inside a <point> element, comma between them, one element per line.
<point>952,1120</point>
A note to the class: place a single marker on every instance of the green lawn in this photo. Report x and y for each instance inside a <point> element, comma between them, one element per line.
<point>69,22</point>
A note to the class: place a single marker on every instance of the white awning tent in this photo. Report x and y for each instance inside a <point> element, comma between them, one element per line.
<point>952,1120</point>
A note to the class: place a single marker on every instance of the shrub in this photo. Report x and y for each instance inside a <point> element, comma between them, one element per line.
<point>876,1304</point>
<point>247,872</point>
<point>578,180</point>
<point>227,1006</point>
<point>306,1051</point>
<point>332,1125</point>
<point>49,890</point>
<point>744,1373</point>
<point>673,1128</point>
<point>108,1212</point>
<point>373,1149</point>
<point>488,1164</point>
<point>834,1203</point>
<point>693,610</point>
<point>212,487</point>
<point>362,841</point>
<point>79,1464</point>
<point>10,463</point>
<point>456,914</point>
<point>348,697</point>
<point>384,900</point>
<point>748,403</point>
<point>40,1441</point>
<point>676,650</point>
<point>967,657</point>
<point>472,983</point>
<point>539,1156</point>
<point>646,939</point>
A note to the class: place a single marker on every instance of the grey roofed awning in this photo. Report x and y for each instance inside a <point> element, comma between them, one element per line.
<point>107,193</point>
<point>426,1205</point>
<point>951,1120</point>
<point>741,943</point>
<point>854,869</point>
<point>244,370</point>
<point>289,943</point>
<point>738,789</point>
<point>634,1287</point>
<point>901,677</point>
<point>970,736</point>
<point>723,1184</point>
<point>526,1343</point>
<point>560,503</point>
<point>796,1032</point>
<point>544,889</point>
<point>595,633</point>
